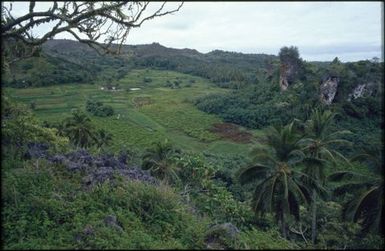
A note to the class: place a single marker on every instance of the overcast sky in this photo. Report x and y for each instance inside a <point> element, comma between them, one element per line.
<point>321,30</point>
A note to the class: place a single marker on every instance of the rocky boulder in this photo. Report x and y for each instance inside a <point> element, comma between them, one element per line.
<point>220,236</point>
<point>36,150</point>
<point>112,222</point>
<point>98,169</point>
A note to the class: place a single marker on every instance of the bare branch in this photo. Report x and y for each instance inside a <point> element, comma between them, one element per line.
<point>110,22</point>
<point>300,231</point>
<point>157,14</point>
<point>31,7</point>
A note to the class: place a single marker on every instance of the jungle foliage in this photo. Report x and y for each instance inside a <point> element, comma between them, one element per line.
<point>313,180</point>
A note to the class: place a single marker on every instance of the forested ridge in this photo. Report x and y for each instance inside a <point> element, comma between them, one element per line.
<point>228,151</point>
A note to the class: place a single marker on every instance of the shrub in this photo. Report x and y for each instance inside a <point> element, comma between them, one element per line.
<point>256,239</point>
<point>97,108</point>
<point>32,105</point>
<point>147,80</point>
<point>47,209</point>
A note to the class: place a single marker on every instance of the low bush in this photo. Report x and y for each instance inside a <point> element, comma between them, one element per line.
<point>48,209</point>
<point>97,108</point>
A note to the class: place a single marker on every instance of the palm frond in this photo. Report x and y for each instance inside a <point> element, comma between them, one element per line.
<point>337,134</point>
<point>312,181</point>
<point>260,203</point>
<point>338,176</point>
<point>374,158</point>
<point>314,161</point>
<point>270,198</point>
<point>293,206</point>
<point>299,190</point>
<point>328,154</point>
<point>265,157</point>
<point>296,156</point>
<point>351,187</point>
<point>337,141</point>
<point>355,207</point>
<point>341,156</point>
<point>306,141</point>
<point>251,173</point>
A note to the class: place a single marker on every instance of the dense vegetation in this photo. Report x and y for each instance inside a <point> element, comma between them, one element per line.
<point>260,105</point>
<point>97,108</point>
<point>142,167</point>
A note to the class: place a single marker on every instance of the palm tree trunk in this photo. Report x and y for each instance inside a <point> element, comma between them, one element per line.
<point>283,226</point>
<point>314,218</point>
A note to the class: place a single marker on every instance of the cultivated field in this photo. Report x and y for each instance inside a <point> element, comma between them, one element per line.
<point>154,112</point>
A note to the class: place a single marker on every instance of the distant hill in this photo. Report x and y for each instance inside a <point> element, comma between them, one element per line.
<point>218,66</point>
<point>71,47</point>
<point>68,61</point>
<point>221,67</point>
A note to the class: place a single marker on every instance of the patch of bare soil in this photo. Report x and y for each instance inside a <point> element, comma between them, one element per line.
<point>232,132</point>
<point>142,101</point>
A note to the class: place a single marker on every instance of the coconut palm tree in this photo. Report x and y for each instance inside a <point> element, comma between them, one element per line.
<point>280,188</point>
<point>367,205</point>
<point>318,145</point>
<point>372,155</point>
<point>103,138</point>
<point>158,160</point>
<point>79,130</point>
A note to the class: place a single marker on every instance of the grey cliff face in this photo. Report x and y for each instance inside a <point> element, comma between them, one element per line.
<point>286,74</point>
<point>362,90</point>
<point>328,90</point>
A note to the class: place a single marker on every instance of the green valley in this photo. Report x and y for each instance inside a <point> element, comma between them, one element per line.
<point>249,143</point>
<point>166,113</point>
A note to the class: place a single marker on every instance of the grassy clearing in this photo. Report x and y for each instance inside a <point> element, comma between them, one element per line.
<point>155,112</point>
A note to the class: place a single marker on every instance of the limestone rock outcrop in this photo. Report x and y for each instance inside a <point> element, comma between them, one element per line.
<point>220,232</point>
<point>328,89</point>
<point>362,90</point>
<point>286,74</point>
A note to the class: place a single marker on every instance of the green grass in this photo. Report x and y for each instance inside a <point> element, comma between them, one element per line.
<point>153,113</point>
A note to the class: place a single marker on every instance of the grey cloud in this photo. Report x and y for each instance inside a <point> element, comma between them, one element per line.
<point>319,29</point>
<point>336,49</point>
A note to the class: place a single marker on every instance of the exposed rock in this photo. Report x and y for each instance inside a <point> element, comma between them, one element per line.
<point>88,230</point>
<point>111,221</point>
<point>36,150</point>
<point>105,173</point>
<point>358,91</point>
<point>290,66</point>
<point>285,76</point>
<point>362,90</point>
<point>57,159</point>
<point>123,157</point>
<point>328,89</point>
<point>219,235</point>
<point>99,169</point>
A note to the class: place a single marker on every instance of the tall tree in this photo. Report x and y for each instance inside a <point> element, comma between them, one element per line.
<point>79,129</point>
<point>367,205</point>
<point>103,138</point>
<point>281,190</point>
<point>19,127</point>
<point>158,160</point>
<point>318,145</point>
